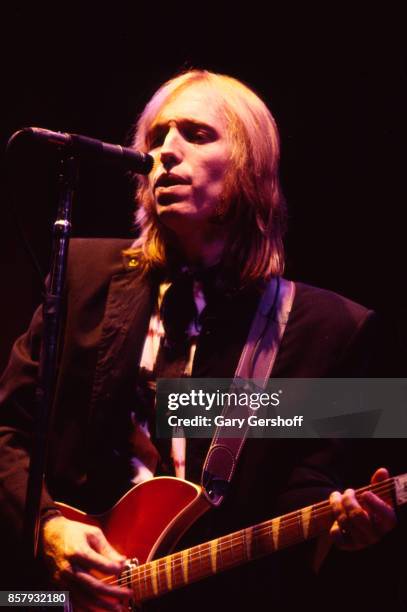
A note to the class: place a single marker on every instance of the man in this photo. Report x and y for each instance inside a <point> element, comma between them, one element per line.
<point>211,215</point>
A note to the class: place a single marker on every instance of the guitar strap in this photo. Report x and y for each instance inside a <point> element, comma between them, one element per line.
<point>256,363</point>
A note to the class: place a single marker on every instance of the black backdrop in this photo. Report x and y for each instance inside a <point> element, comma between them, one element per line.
<point>335,80</point>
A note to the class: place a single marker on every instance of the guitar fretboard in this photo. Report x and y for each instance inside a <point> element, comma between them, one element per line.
<point>178,569</point>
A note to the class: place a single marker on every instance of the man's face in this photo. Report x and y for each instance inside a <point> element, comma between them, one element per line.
<point>190,145</point>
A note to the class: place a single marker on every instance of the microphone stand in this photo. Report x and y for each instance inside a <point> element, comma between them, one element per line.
<point>52,307</point>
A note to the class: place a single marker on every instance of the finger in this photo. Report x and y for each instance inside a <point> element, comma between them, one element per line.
<point>335,500</point>
<point>98,541</point>
<point>382,515</point>
<point>380,475</point>
<point>87,558</point>
<point>341,526</point>
<point>355,521</point>
<point>85,597</point>
<point>92,585</point>
<point>349,500</point>
<point>351,506</point>
<point>342,539</point>
<point>341,505</point>
<point>358,520</point>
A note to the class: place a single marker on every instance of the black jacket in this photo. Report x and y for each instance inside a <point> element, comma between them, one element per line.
<point>108,307</point>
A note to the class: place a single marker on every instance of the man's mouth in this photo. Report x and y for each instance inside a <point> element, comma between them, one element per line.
<point>169,179</point>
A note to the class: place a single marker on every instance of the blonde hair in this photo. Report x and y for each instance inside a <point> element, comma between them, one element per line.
<point>253,205</point>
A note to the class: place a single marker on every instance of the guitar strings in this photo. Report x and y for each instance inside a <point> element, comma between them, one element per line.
<point>143,572</point>
<point>324,508</point>
<point>143,585</point>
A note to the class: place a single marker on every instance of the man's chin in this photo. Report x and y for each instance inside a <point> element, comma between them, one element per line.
<point>176,206</point>
<point>167,198</point>
<point>177,217</point>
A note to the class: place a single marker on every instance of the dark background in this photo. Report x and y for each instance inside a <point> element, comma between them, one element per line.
<point>335,80</point>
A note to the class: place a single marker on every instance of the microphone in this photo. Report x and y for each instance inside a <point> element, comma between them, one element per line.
<point>138,162</point>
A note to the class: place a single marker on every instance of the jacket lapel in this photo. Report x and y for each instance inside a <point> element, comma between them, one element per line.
<point>128,309</point>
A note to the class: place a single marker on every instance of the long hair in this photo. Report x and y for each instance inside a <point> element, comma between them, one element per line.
<point>252,205</point>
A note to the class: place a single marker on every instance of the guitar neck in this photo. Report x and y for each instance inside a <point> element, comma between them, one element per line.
<point>158,577</point>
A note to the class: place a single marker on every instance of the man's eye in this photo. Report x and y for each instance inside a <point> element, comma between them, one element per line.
<point>196,135</point>
<point>201,135</point>
<point>156,140</point>
<point>154,143</point>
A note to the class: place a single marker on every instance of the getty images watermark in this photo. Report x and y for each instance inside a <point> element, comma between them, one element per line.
<point>243,401</point>
<point>298,408</point>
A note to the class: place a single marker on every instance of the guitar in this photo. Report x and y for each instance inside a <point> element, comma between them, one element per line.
<point>146,537</point>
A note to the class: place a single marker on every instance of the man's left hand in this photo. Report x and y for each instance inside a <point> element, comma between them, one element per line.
<point>360,523</point>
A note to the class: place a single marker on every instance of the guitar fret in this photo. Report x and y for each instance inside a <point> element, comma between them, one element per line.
<point>240,549</point>
<point>214,549</point>
<point>199,557</point>
<point>184,564</point>
<point>190,564</point>
<point>221,562</point>
<point>168,572</point>
<point>275,532</point>
<point>153,574</point>
<point>256,541</point>
<point>248,537</point>
<point>306,516</point>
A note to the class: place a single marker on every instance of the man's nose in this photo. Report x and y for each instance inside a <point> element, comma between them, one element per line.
<point>171,149</point>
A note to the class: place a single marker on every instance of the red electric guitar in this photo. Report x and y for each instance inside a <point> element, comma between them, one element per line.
<point>145,538</point>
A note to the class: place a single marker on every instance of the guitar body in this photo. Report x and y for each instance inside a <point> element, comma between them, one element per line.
<point>148,520</point>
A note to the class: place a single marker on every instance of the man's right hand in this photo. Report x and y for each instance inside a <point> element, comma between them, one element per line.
<point>73,551</point>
